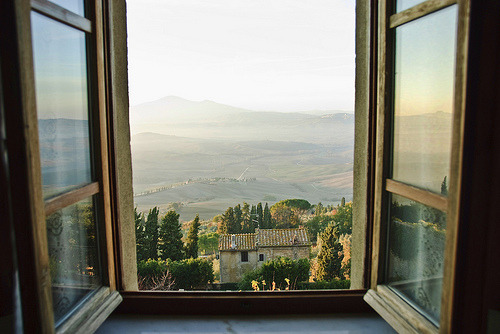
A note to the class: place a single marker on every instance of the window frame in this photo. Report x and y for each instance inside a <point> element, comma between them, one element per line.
<point>31,235</point>
<point>394,309</point>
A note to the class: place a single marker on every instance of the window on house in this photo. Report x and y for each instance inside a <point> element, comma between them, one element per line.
<point>261,257</point>
<point>244,256</point>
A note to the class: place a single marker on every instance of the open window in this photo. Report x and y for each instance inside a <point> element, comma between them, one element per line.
<point>412,288</point>
<point>421,61</point>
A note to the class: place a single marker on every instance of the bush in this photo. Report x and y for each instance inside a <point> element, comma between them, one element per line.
<point>184,274</point>
<point>323,285</point>
<point>278,271</point>
<point>191,273</point>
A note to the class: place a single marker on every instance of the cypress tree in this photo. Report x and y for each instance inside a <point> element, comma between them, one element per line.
<point>140,235</point>
<point>267,217</point>
<point>238,218</point>
<point>192,239</point>
<point>330,255</point>
<point>151,234</point>
<point>260,215</point>
<point>246,226</point>
<point>171,237</point>
<point>342,202</point>
<point>228,222</point>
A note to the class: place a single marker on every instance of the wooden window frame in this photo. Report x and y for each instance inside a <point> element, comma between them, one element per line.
<point>25,173</point>
<point>394,309</point>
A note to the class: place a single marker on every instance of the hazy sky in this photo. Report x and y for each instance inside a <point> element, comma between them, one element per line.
<point>283,55</point>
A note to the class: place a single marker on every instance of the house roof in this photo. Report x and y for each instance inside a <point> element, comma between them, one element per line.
<point>264,238</point>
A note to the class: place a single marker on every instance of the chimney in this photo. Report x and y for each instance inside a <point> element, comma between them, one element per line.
<point>233,241</point>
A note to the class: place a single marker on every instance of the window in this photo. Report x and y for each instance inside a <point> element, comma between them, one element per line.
<point>244,256</point>
<point>261,257</point>
<point>393,302</point>
<point>416,165</point>
<point>67,185</point>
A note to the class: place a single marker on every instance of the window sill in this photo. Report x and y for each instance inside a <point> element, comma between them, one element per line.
<point>245,302</point>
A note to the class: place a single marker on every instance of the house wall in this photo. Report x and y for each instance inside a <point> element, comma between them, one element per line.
<point>231,267</point>
<point>293,252</point>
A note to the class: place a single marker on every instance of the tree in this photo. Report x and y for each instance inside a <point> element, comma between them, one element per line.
<point>267,217</point>
<point>342,202</point>
<point>151,234</point>
<point>444,187</point>
<point>237,218</point>
<point>316,225</point>
<point>192,239</point>
<point>319,209</point>
<point>284,217</point>
<point>343,218</point>
<point>330,255</point>
<point>246,223</point>
<point>260,215</point>
<point>171,237</point>
<point>208,243</point>
<point>140,235</point>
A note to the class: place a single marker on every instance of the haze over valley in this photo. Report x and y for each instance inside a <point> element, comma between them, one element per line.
<point>201,157</point>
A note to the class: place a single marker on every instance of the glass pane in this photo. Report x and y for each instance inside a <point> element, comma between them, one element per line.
<point>73,252</point>
<point>416,253</point>
<point>76,6</point>
<point>405,4</point>
<point>62,104</point>
<point>423,106</point>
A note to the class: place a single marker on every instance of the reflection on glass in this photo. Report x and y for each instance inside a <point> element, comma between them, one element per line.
<point>74,262</point>
<point>416,252</point>
<point>62,104</point>
<point>76,6</point>
<point>405,4</point>
<point>423,105</point>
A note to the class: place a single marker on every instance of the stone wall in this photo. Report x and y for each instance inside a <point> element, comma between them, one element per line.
<point>232,269</point>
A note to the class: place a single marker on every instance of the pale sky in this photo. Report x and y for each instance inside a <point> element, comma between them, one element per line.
<point>281,55</point>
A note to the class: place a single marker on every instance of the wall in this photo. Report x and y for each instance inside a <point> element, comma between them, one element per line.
<point>231,267</point>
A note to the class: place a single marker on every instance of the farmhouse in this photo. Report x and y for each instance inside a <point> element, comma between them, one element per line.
<point>240,253</point>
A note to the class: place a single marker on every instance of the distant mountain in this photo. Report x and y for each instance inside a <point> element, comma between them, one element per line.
<point>207,119</point>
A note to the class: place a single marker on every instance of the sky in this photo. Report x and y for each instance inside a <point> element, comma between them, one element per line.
<point>279,55</point>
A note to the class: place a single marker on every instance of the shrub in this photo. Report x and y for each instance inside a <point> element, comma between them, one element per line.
<point>278,271</point>
<point>322,285</point>
<point>184,274</point>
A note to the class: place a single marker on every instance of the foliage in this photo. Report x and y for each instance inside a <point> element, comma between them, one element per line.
<point>190,274</point>
<point>323,285</point>
<point>140,235</point>
<point>185,274</point>
<point>246,222</point>
<point>151,234</point>
<point>444,187</point>
<point>343,218</point>
<point>260,215</point>
<point>330,255</point>
<point>345,241</point>
<point>278,271</point>
<point>170,234</point>
<point>299,204</point>
<point>208,243</point>
<point>284,217</point>
<point>191,249</point>
<point>267,223</point>
<point>316,225</point>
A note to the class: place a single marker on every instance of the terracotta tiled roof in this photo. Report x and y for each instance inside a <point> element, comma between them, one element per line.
<point>283,237</point>
<point>241,241</point>
<point>265,238</point>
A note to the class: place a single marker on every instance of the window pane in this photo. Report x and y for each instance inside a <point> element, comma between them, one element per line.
<point>59,55</point>
<point>423,106</point>
<point>405,4</point>
<point>73,252</point>
<point>416,253</point>
<point>76,6</point>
